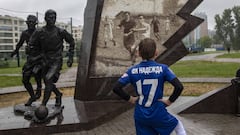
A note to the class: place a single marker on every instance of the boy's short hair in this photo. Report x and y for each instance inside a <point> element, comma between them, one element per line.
<point>147,48</point>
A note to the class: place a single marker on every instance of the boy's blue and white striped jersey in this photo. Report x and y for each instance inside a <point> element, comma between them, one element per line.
<point>148,79</point>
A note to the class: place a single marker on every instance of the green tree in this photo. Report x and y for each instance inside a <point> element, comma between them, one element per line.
<point>205,41</point>
<point>236,13</point>
<point>216,39</point>
<point>219,28</point>
<point>224,27</point>
<point>228,28</point>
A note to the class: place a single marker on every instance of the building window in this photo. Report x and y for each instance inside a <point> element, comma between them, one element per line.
<point>6,28</point>
<point>21,22</point>
<point>9,22</point>
<point>6,35</point>
<point>6,47</point>
<point>6,41</point>
<point>1,22</point>
<point>16,34</point>
<point>22,28</point>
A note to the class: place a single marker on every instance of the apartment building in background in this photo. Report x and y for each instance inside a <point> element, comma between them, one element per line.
<point>12,27</point>
<point>201,31</point>
<point>10,31</point>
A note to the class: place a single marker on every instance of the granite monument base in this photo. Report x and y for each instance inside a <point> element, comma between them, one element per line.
<point>76,116</point>
<point>220,101</point>
<point>29,112</point>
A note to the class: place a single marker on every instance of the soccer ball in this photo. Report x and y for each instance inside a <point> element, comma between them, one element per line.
<point>41,112</point>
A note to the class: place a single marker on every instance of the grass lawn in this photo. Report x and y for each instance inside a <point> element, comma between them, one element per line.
<point>181,69</point>
<point>230,55</point>
<point>194,89</point>
<point>11,70</point>
<point>204,69</point>
<point>9,81</point>
<point>202,53</point>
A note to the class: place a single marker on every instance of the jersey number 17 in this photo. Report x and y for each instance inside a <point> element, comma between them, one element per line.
<point>153,88</point>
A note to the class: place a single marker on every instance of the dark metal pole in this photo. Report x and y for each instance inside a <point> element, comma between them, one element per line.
<point>71,25</point>
<point>37,18</point>
<point>18,59</point>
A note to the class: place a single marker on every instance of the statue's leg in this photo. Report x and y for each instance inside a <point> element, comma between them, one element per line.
<point>38,78</point>
<point>50,86</point>
<point>56,91</point>
<point>28,85</point>
<point>58,94</point>
<point>50,78</point>
<point>47,93</point>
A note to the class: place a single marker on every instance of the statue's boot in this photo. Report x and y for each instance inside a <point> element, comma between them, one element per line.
<point>39,85</point>
<point>38,93</point>
<point>58,94</point>
<point>58,102</point>
<point>32,98</point>
<point>46,97</point>
<point>30,101</point>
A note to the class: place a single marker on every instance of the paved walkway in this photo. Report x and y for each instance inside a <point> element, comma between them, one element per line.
<point>211,57</point>
<point>195,124</point>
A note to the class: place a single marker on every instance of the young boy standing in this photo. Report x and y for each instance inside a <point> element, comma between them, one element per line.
<point>148,77</point>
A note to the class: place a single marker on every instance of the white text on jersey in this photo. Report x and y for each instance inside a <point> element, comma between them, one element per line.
<point>147,70</point>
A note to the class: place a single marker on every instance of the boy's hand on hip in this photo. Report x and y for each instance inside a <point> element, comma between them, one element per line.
<point>133,100</point>
<point>166,102</point>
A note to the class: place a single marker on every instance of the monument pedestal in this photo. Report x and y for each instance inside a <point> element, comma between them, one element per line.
<point>76,116</point>
<point>29,112</point>
<point>225,100</point>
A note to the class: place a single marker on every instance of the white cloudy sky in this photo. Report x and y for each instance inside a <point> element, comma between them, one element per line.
<point>213,7</point>
<point>75,8</point>
<point>64,8</point>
